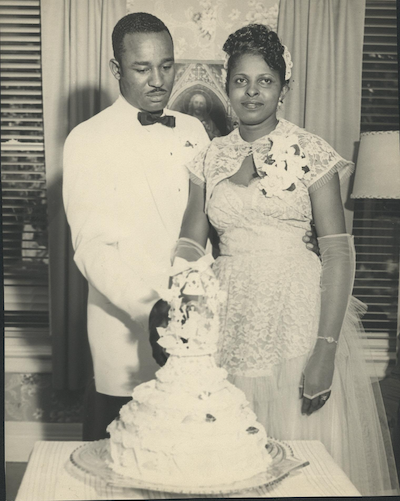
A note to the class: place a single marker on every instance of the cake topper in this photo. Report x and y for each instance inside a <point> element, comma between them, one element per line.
<point>194,298</point>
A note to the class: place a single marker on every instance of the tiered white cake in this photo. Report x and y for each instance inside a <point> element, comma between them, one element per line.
<point>189,426</point>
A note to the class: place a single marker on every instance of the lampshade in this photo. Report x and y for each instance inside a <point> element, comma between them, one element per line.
<point>378,166</point>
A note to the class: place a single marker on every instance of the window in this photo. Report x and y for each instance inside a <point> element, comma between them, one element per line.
<point>379,104</point>
<point>25,250</point>
<point>376,224</point>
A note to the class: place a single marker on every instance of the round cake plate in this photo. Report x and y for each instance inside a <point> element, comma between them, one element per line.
<point>93,458</point>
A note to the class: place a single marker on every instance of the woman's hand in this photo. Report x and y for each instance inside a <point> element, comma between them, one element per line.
<point>311,405</point>
<point>315,387</point>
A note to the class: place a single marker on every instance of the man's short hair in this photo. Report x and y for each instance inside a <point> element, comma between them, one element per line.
<point>137,22</point>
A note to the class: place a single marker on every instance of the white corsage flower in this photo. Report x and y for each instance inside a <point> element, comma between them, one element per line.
<point>276,181</point>
<point>285,164</point>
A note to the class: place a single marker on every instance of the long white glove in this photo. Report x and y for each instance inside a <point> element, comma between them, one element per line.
<point>337,279</point>
<point>188,249</point>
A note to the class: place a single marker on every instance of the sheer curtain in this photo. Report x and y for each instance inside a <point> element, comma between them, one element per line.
<point>77,84</point>
<point>325,39</point>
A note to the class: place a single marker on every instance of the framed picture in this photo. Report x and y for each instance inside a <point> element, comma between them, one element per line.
<point>199,91</point>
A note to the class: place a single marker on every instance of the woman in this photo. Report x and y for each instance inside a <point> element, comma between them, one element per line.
<point>285,330</point>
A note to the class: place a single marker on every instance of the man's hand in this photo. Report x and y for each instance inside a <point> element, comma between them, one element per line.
<point>310,239</point>
<point>158,318</point>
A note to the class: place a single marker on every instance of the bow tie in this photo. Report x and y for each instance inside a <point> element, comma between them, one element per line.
<point>149,119</point>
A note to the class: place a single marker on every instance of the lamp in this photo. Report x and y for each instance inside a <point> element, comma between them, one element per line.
<point>378,166</point>
<point>377,176</point>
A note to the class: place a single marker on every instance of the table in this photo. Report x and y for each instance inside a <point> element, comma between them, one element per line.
<point>46,478</point>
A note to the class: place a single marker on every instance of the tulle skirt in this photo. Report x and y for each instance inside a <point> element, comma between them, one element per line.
<point>352,424</point>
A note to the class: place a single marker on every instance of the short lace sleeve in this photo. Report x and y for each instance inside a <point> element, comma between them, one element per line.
<point>196,167</point>
<point>324,162</point>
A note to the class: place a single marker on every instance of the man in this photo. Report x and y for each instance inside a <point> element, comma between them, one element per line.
<point>125,190</point>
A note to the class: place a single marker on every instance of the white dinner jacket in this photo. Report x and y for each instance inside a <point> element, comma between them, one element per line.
<point>125,188</point>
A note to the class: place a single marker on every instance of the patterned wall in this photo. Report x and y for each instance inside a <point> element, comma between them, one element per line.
<point>200,28</point>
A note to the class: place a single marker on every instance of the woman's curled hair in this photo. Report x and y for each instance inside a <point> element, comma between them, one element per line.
<point>257,39</point>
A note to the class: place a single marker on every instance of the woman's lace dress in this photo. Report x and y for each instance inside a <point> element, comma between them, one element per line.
<point>270,320</point>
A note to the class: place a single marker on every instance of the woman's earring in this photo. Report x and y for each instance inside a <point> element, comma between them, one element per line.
<point>279,109</point>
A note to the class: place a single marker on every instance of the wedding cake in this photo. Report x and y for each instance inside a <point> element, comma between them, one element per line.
<point>189,426</point>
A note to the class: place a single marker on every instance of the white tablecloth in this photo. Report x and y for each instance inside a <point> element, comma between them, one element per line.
<point>46,478</point>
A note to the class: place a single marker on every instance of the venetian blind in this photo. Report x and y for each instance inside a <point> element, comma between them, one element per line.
<point>376,224</point>
<point>25,254</point>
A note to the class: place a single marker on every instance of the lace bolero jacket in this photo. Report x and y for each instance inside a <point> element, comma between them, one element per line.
<point>290,161</point>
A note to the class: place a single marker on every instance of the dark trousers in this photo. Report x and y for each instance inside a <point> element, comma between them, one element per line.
<point>98,412</point>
